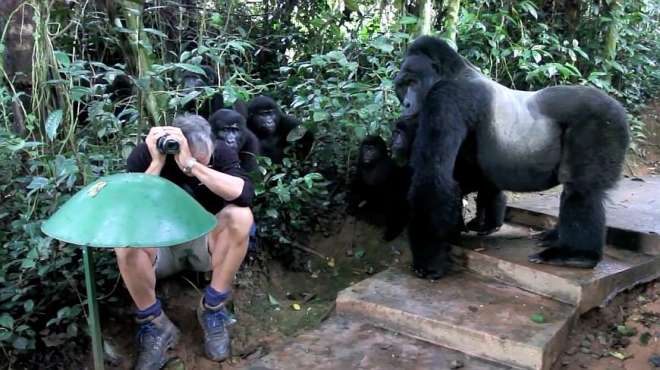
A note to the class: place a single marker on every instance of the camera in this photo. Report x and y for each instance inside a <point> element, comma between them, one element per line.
<point>167,145</point>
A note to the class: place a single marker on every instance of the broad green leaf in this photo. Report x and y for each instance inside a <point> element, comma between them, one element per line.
<point>191,68</point>
<point>53,122</point>
<point>6,321</point>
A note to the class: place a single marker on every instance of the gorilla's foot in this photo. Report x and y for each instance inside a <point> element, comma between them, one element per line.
<point>562,256</point>
<point>391,234</point>
<point>482,227</point>
<point>431,274</point>
<point>548,238</point>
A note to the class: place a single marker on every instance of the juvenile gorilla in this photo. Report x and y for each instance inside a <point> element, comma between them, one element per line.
<point>272,127</point>
<point>382,185</point>
<point>195,81</point>
<point>477,135</point>
<point>229,126</point>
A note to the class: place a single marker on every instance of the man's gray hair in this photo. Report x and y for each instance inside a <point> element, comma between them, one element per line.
<point>197,131</point>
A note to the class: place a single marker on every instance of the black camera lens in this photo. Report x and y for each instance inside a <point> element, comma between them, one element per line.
<point>167,145</point>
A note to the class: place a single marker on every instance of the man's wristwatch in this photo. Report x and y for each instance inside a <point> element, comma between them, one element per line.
<point>187,167</point>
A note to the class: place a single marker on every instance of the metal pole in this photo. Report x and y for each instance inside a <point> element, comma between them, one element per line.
<point>93,315</point>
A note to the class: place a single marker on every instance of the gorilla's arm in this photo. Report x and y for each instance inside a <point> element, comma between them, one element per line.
<point>435,197</point>
<point>249,152</point>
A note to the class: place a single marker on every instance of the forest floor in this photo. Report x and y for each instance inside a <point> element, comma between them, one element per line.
<point>272,303</point>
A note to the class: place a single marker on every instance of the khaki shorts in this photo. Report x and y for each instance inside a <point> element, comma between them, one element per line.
<point>193,255</point>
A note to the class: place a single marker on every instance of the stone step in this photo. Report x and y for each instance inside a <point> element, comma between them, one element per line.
<point>503,255</point>
<point>341,343</point>
<point>466,312</point>
<point>633,213</point>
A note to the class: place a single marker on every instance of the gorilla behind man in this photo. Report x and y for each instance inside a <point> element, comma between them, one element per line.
<point>500,139</point>
<point>197,82</point>
<point>229,126</point>
<point>382,185</point>
<point>272,127</point>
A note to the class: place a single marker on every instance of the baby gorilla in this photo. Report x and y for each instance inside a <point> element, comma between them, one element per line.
<point>229,126</point>
<point>382,185</point>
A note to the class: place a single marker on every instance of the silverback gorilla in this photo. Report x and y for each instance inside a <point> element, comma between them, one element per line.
<point>477,135</point>
<point>272,127</point>
<point>229,126</point>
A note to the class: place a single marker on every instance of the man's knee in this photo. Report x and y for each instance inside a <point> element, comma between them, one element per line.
<point>131,257</point>
<point>237,220</point>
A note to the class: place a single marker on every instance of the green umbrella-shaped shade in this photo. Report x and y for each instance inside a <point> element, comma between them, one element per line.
<point>130,210</point>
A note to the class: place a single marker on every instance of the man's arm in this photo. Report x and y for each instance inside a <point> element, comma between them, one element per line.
<point>226,178</point>
<point>145,157</point>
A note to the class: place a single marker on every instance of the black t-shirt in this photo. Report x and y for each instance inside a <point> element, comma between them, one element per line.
<point>224,160</point>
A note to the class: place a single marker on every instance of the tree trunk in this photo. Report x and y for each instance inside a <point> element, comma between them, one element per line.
<point>615,13</point>
<point>426,17</point>
<point>142,54</point>
<point>572,15</point>
<point>17,60</point>
<point>453,8</point>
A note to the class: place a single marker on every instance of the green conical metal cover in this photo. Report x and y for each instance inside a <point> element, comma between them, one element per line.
<point>130,210</point>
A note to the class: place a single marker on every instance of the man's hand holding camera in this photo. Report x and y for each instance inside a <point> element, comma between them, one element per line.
<point>164,140</point>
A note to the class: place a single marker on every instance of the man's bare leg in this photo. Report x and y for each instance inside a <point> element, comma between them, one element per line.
<point>228,244</point>
<point>136,266</point>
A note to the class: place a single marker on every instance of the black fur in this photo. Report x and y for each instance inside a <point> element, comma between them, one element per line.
<point>466,141</point>
<point>266,120</point>
<point>491,203</point>
<point>229,126</point>
<point>382,186</point>
<point>195,81</point>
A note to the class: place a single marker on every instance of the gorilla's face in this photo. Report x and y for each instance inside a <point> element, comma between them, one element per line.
<point>266,121</point>
<point>193,82</point>
<point>413,82</point>
<point>231,134</point>
<point>400,144</point>
<point>370,154</point>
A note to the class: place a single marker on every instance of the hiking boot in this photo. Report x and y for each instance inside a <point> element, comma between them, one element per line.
<point>155,336</point>
<point>214,322</point>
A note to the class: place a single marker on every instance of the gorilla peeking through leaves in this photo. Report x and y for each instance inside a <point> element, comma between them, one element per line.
<point>199,82</point>
<point>477,135</point>
<point>381,186</point>
<point>272,127</point>
<point>229,126</point>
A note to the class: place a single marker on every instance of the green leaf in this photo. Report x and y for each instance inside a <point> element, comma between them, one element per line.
<point>645,338</point>
<point>273,301</point>
<point>21,343</point>
<point>53,122</point>
<point>63,58</point>
<point>359,253</point>
<point>155,32</point>
<point>28,305</point>
<point>320,115</point>
<point>626,330</point>
<point>191,68</point>
<point>297,133</point>
<point>537,318</point>
<point>6,321</point>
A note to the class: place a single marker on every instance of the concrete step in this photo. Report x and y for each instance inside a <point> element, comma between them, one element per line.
<point>633,213</point>
<point>503,255</point>
<point>341,343</point>
<point>466,312</point>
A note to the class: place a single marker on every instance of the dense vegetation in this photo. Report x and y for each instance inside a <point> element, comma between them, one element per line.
<point>329,63</point>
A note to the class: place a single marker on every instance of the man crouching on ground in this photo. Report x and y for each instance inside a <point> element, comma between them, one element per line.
<point>212,175</point>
